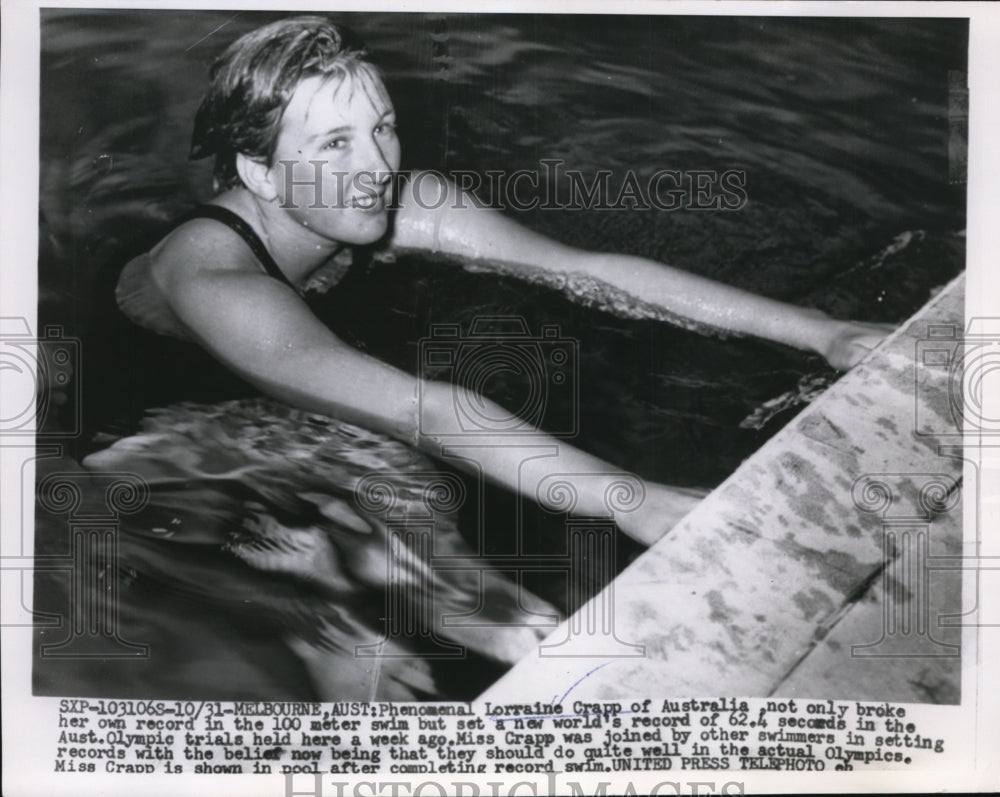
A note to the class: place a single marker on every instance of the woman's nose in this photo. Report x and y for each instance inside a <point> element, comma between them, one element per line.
<point>379,162</point>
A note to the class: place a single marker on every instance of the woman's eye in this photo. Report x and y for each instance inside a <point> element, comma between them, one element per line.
<point>384,128</point>
<point>337,143</point>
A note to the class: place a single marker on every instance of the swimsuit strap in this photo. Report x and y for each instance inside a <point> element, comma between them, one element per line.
<point>246,232</point>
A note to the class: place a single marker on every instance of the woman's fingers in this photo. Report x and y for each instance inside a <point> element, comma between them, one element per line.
<point>853,342</point>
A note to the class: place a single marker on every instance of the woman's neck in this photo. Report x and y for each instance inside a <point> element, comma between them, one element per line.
<point>295,248</point>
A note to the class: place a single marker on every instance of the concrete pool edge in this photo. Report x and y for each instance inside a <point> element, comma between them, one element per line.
<point>781,580</point>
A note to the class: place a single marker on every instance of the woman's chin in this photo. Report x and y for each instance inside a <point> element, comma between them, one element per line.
<point>372,227</point>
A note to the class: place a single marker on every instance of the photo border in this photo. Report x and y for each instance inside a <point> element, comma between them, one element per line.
<point>973,727</point>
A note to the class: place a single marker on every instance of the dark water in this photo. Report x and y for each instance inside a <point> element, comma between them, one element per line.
<point>839,125</point>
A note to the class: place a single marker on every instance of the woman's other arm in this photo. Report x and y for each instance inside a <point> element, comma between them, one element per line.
<point>459,228</point>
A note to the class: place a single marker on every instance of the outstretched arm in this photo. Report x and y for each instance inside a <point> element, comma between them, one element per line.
<point>456,226</point>
<point>263,331</point>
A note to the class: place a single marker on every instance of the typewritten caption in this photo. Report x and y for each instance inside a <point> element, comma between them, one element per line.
<point>173,737</point>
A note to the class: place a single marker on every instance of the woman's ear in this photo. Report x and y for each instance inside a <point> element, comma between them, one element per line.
<point>256,176</point>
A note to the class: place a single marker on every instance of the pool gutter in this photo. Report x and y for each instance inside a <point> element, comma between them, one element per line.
<point>810,570</point>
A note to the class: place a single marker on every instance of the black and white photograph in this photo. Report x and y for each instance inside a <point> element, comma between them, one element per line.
<point>592,386</point>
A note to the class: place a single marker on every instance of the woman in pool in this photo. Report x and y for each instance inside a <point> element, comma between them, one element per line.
<point>303,134</point>
<point>265,494</point>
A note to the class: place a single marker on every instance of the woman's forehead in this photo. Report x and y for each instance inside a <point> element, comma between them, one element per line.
<point>344,98</point>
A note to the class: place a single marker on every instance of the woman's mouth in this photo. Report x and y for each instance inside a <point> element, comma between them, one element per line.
<point>369,203</point>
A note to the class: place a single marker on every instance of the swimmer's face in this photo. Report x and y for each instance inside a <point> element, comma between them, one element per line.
<point>336,152</point>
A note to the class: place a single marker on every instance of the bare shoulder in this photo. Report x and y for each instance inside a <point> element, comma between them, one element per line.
<point>199,247</point>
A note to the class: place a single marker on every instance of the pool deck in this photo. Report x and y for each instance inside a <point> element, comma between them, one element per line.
<point>810,571</point>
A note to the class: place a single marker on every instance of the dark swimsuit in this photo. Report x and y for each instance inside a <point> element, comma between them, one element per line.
<point>246,232</point>
<point>142,302</point>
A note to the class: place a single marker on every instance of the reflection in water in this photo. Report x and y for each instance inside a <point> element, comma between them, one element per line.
<point>252,545</point>
<point>292,496</point>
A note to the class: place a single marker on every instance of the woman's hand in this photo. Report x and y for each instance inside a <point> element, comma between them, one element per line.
<point>851,342</point>
<point>661,510</point>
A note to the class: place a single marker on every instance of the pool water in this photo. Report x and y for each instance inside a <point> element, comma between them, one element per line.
<point>839,125</point>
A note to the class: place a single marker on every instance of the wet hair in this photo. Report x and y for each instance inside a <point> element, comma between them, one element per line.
<point>252,83</point>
